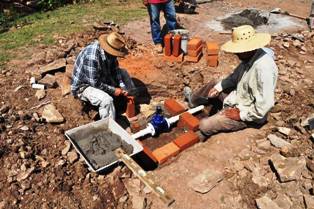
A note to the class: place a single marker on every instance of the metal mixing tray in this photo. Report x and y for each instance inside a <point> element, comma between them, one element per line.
<point>81,132</point>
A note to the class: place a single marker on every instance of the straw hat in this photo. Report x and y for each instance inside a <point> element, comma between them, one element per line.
<point>114,44</point>
<point>245,39</point>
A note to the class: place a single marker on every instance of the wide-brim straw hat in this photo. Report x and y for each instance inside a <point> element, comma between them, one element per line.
<point>114,44</point>
<point>245,39</point>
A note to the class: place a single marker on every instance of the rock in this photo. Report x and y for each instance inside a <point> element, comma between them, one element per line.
<point>288,169</point>
<point>264,145</point>
<point>65,84</point>
<point>205,181</point>
<point>284,130</point>
<point>277,141</point>
<point>67,148</point>
<point>4,109</point>
<point>72,156</point>
<point>49,81</point>
<point>40,94</point>
<point>283,201</point>
<point>24,128</point>
<point>54,66</point>
<point>309,201</point>
<point>69,70</point>
<point>259,178</point>
<point>25,174</point>
<point>3,204</point>
<point>51,114</point>
<point>310,165</point>
<point>133,187</point>
<point>286,44</point>
<point>38,58</point>
<point>266,203</point>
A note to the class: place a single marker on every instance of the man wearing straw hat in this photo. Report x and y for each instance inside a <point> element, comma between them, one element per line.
<point>248,93</point>
<point>97,77</point>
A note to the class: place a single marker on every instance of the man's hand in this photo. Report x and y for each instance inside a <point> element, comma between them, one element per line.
<point>232,113</point>
<point>213,93</point>
<point>145,2</point>
<point>120,92</point>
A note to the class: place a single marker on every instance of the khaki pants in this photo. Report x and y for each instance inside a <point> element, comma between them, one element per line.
<point>217,122</point>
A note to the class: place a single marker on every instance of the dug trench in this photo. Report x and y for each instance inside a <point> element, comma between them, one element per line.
<point>41,170</point>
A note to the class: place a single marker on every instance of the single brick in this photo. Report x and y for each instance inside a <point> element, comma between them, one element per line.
<point>212,60</point>
<point>173,58</point>
<point>173,107</point>
<point>130,110</point>
<point>212,48</point>
<point>167,41</point>
<point>165,152</point>
<point>194,43</point>
<point>148,152</point>
<point>189,121</point>
<point>186,140</point>
<point>176,45</point>
<point>195,53</point>
<point>193,59</point>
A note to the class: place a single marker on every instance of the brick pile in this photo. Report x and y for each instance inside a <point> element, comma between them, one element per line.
<point>195,50</point>
<point>212,49</point>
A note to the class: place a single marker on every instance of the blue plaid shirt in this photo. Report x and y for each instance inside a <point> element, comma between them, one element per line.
<point>93,68</point>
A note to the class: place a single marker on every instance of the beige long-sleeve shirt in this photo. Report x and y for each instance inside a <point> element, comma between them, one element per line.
<point>253,85</point>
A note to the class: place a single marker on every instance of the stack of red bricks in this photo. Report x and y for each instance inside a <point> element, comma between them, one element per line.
<point>195,50</point>
<point>184,141</point>
<point>212,49</point>
<point>173,48</point>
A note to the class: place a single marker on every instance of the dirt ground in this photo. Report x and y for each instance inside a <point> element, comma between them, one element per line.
<point>40,170</point>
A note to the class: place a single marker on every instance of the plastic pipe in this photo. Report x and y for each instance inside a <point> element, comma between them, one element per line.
<point>150,129</point>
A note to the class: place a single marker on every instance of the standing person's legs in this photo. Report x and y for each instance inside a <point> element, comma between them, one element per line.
<point>220,123</point>
<point>101,99</point>
<point>154,13</point>
<point>170,15</point>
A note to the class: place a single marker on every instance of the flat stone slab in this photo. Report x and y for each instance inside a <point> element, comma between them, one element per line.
<point>288,169</point>
<point>266,203</point>
<point>56,65</point>
<point>49,81</point>
<point>51,114</point>
<point>206,181</point>
<point>277,141</point>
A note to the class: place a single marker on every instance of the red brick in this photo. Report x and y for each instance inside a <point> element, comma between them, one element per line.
<point>194,43</point>
<point>173,58</point>
<point>165,152</point>
<point>130,110</point>
<point>212,60</point>
<point>186,140</point>
<point>173,107</point>
<point>189,121</point>
<point>167,41</point>
<point>148,152</point>
<point>195,53</point>
<point>193,59</point>
<point>176,45</point>
<point>212,48</point>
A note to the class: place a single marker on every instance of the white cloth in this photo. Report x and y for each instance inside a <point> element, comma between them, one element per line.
<point>254,85</point>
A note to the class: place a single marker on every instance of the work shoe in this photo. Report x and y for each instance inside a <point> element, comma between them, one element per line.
<point>187,92</point>
<point>158,48</point>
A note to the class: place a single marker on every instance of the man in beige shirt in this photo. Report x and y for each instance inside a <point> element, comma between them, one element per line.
<point>248,93</point>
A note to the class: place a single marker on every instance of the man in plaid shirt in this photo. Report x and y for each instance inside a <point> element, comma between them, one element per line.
<point>97,77</point>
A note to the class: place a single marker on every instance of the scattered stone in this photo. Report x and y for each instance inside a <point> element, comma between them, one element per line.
<point>206,181</point>
<point>65,84</point>
<point>133,187</point>
<point>25,174</point>
<point>266,203</point>
<point>264,145</point>
<point>67,148</point>
<point>288,169</point>
<point>4,109</point>
<point>49,81</point>
<point>51,114</point>
<point>283,201</point>
<point>24,128</point>
<point>69,70</point>
<point>54,66</point>
<point>72,156</point>
<point>310,165</point>
<point>259,178</point>
<point>309,201</point>
<point>3,204</point>
<point>286,44</point>
<point>284,130</point>
<point>277,141</point>
<point>40,94</point>
<point>147,190</point>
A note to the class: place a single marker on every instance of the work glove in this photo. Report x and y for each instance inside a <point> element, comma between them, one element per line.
<point>120,92</point>
<point>213,93</point>
<point>232,113</point>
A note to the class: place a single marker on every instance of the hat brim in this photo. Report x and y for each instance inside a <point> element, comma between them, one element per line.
<point>109,49</point>
<point>260,40</point>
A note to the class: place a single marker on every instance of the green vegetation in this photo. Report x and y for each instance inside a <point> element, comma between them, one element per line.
<point>40,28</point>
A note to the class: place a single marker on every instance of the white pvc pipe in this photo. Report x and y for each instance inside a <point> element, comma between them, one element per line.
<point>150,129</point>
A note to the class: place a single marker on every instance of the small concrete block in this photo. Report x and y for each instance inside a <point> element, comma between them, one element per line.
<point>194,43</point>
<point>173,58</point>
<point>195,53</point>
<point>165,152</point>
<point>189,121</point>
<point>173,107</point>
<point>186,140</point>
<point>193,59</point>
<point>212,60</point>
<point>212,48</point>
